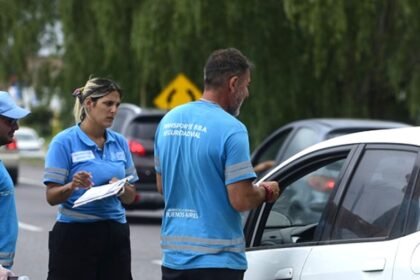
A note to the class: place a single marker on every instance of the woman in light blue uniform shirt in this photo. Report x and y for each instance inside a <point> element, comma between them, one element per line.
<point>91,241</point>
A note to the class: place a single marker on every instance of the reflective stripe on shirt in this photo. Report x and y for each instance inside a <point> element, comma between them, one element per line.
<point>6,258</point>
<point>6,193</point>
<point>57,174</point>
<point>131,171</point>
<point>203,245</point>
<point>238,170</point>
<point>80,216</point>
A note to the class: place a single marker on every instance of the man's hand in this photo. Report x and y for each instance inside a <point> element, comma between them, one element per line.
<point>272,190</point>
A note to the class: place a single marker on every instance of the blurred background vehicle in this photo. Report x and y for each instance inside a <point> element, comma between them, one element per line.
<point>29,143</point>
<point>126,112</point>
<point>138,125</point>
<point>9,154</point>
<point>298,135</point>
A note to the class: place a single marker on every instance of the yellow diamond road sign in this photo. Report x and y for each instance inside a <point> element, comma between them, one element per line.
<point>179,91</point>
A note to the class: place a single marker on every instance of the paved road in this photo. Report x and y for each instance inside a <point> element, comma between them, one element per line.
<point>36,218</point>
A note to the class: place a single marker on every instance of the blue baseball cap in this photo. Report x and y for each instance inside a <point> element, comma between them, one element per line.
<point>9,109</point>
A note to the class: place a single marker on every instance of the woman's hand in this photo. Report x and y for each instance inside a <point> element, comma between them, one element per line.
<point>127,194</point>
<point>57,193</point>
<point>81,179</point>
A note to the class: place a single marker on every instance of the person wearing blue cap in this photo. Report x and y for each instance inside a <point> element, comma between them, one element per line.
<point>10,113</point>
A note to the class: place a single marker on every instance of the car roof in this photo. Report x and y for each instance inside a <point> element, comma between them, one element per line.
<point>136,109</point>
<point>405,135</point>
<point>25,130</point>
<point>146,113</point>
<point>132,107</point>
<point>339,123</point>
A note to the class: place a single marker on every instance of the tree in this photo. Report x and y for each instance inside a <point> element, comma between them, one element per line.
<point>362,55</point>
<point>321,58</point>
<point>23,25</point>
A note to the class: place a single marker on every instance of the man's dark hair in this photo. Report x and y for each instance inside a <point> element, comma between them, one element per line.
<point>223,64</point>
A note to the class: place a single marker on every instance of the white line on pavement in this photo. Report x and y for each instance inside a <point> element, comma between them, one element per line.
<point>30,182</point>
<point>158,262</point>
<point>30,227</point>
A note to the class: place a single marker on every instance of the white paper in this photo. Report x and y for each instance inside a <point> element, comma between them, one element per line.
<point>100,192</point>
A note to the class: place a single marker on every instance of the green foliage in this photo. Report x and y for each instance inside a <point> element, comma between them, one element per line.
<point>40,119</point>
<point>313,58</point>
<point>353,47</point>
<point>22,25</point>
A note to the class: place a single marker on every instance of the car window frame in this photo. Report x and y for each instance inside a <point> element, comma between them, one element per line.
<point>142,119</point>
<point>126,112</point>
<point>257,217</point>
<point>337,199</point>
<point>282,153</point>
<point>267,144</point>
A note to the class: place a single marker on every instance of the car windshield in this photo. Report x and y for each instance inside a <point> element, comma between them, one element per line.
<point>25,137</point>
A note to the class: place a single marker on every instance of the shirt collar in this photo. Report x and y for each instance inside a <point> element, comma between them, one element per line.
<point>89,142</point>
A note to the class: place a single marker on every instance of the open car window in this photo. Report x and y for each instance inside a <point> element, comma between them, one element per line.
<point>296,214</point>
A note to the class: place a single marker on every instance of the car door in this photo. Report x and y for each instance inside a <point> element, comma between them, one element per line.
<point>280,236</point>
<point>339,216</point>
<point>361,239</point>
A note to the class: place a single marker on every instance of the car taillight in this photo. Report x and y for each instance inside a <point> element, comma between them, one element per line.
<point>136,148</point>
<point>12,145</point>
<point>321,183</point>
<point>330,184</point>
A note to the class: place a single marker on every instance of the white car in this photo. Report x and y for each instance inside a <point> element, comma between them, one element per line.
<point>29,143</point>
<point>349,210</point>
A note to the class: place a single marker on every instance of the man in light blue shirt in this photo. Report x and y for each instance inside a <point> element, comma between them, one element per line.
<point>205,175</point>
<point>10,113</point>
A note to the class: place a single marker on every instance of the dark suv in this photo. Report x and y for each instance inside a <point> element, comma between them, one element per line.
<point>138,125</point>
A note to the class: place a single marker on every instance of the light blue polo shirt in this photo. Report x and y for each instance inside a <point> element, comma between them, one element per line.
<point>72,151</point>
<point>199,150</point>
<point>8,219</point>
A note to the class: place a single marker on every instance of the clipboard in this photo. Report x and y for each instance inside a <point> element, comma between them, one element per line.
<point>103,191</point>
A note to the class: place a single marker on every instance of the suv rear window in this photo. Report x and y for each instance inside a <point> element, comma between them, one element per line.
<point>143,128</point>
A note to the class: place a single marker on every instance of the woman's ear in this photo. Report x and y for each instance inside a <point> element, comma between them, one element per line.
<point>88,104</point>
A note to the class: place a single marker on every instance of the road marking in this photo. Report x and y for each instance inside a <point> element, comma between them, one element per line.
<point>30,227</point>
<point>158,262</point>
<point>28,181</point>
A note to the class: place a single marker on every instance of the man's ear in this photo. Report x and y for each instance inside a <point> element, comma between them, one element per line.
<point>233,83</point>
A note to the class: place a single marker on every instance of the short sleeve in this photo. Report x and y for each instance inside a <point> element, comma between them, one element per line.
<point>238,165</point>
<point>57,164</point>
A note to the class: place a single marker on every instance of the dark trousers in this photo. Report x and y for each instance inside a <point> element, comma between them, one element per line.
<point>202,274</point>
<point>94,251</point>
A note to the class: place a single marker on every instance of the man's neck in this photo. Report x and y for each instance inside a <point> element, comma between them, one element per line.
<point>214,97</point>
